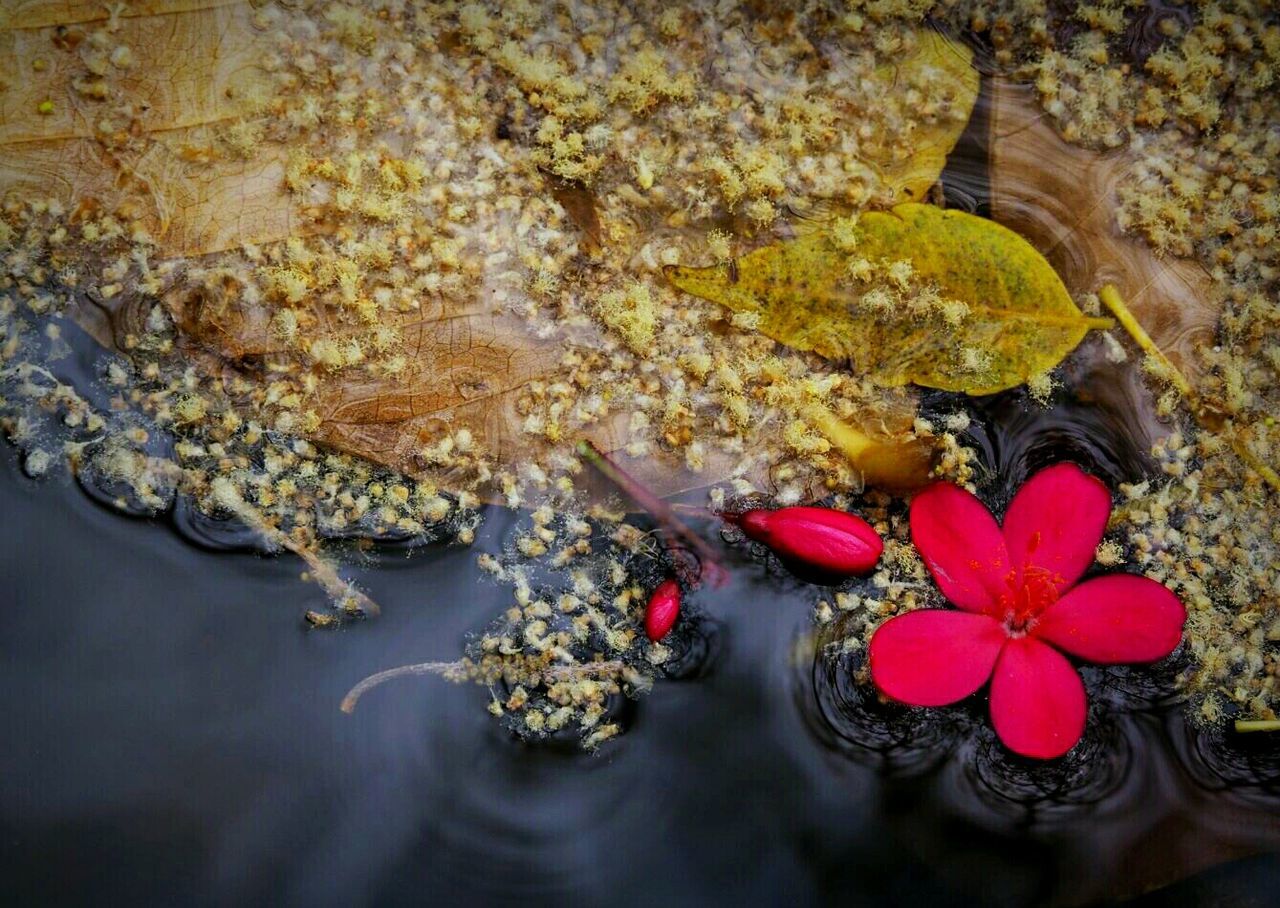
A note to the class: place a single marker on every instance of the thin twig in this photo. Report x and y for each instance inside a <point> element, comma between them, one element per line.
<point>584,670</point>
<point>342,592</point>
<point>1248,725</point>
<point>693,510</point>
<point>422,668</point>
<point>658,509</point>
<point>457,671</point>
<point>1110,297</point>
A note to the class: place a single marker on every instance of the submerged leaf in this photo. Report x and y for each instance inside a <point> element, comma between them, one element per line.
<point>947,67</point>
<point>991,313</point>
<point>333,278</point>
<point>1168,305</point>
<point>1062,198</point>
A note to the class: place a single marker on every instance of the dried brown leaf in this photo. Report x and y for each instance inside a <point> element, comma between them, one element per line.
<point>1062,198</point>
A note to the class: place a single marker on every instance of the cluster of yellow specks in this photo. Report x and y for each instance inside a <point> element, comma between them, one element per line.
<point>900,584</point>
<point>1041,388</point>
<point>558,656</point>
<point>891,290</point>
<point>479,199</point>
<point>1110,553</point>
<point>425,150</point>
<point>1218,200</point>
<point>1210,535</point>
<point>1107,71</point>
<point>291,483</point>
<point>632,313</point>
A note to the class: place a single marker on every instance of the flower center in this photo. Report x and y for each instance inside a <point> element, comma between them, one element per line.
<point>1025,601</point>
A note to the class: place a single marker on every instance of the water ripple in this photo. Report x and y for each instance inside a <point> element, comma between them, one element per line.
<point>849,717</point>
<point>1102,418</point>
<point>1219,758</point>
<point>1051,791</point>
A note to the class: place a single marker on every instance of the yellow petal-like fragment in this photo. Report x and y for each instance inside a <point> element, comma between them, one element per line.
<point>897,464</point>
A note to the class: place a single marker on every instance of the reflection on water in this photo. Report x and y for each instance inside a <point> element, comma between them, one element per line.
<point>850,718</point>
<point>1245,765</point>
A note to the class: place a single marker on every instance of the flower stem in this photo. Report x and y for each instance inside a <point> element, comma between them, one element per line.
<point>696,511</point>
<point>1110,297</point>
<point>675,528</point>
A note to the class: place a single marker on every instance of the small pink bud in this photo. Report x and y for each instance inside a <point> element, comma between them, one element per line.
<point>821,539</point>
<point>662,611</point>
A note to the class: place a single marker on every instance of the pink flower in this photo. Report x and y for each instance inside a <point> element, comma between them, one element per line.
<point>1021,609</point>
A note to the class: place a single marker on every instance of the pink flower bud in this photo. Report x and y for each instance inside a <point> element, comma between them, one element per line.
<point>821,539</point>
<point>662,611</point>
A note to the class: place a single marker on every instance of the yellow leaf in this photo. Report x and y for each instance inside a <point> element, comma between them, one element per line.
<point>987,312</point>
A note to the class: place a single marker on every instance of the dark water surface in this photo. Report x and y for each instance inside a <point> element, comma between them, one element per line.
<point>171,735</point>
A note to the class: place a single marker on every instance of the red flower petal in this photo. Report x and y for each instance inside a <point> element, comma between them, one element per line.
<point>1037,700</point>
<point>662,610</point>
<point>1056,521</point>
<point>823,539</point>
<point>962,546</point>
<point>1117,618</point>
<point>934,657</point>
